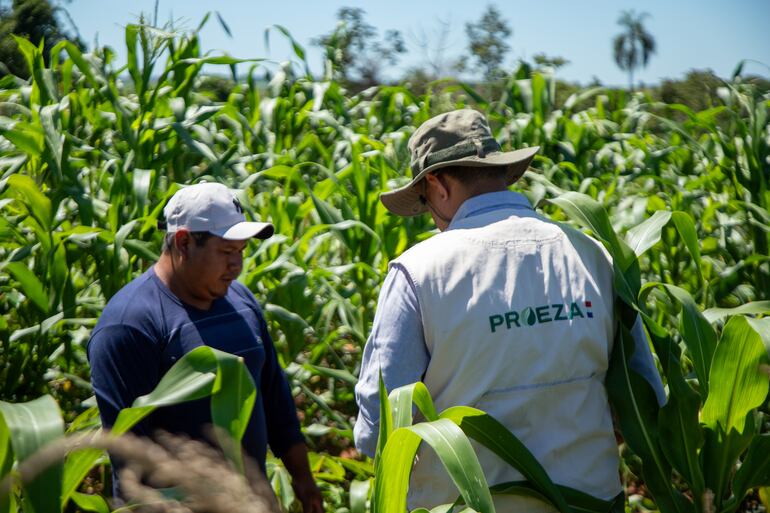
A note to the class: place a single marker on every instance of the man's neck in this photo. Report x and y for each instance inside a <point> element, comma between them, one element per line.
<point>168,272</point>
<point>466,193</point>
<point>485,188</point>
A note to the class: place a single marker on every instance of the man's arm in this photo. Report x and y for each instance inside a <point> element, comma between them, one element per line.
<point>643,363</point>
<point>396,347</point>
<point>296,462</point>
<point>124,366</point>
<point>283,431</point>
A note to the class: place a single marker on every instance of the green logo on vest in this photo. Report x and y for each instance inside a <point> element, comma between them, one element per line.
<point>532,315</point>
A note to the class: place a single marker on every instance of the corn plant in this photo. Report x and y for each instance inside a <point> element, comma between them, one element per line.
<point>29,427</point>
<point>449,433</point>
<point>90,152</point>
<point>709,434</point>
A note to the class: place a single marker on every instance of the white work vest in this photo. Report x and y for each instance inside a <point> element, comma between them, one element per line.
<point>518,319</point>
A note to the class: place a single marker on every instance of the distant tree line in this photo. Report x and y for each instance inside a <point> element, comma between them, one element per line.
<point>357,56</point>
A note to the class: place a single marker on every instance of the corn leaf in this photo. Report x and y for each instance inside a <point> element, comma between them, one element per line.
<point>681,435</point>
<point>636,407</point>
<point>403,399</point>
<point>77,465</point>
<point>232,402</point>
<point>30,284</point>
<point>750,308</point>
<point>453,449</point>
<point>686,228</point>
<point>742,384</point>
<point>592,215</point>
<point>726,414</point>
<point>647,233</point>
<point>197,374</point>
<point>578,501</point>
<point>31,426</point>
<point>95,503</point>
<point>386,423</point>
<point>6,464</point>
<point>754,471</point>
<point>359,495</point>
<point>699,336</point>
<point>493,435</point>
<point>38,205</point>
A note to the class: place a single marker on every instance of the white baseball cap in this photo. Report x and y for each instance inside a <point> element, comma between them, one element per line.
<point>213,208</point>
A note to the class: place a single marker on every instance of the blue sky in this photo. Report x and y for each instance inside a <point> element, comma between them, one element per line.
<point>689,33</point>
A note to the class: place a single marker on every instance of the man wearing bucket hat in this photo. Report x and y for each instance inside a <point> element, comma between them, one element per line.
<point>190,298</point>
<point>503,310</point>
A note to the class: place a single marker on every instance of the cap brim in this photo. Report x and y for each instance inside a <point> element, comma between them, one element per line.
<point>405,201</point>
<point>246,230</point>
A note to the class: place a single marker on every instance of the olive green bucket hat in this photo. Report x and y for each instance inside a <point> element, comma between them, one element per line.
<point>457,138</point>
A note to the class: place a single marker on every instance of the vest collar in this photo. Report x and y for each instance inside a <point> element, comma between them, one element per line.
<point>489,202</point>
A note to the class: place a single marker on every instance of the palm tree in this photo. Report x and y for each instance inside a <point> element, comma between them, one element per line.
<point>634,46</point>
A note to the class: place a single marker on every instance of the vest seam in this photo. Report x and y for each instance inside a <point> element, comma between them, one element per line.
<point>535,386</point>
<point>513,243</point>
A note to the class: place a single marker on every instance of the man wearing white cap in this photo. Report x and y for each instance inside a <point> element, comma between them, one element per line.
<point>189,298</point>
<point>503,310</point>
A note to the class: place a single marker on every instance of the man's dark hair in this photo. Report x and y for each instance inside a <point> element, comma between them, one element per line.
<point>200,239</point>
<point>470,176</point>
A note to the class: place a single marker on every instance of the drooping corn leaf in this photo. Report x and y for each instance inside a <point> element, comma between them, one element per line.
<point>493,435</point>
<point>698,335</point>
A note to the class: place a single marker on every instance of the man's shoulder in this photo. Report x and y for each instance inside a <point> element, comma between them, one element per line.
<point>584,244</point>
<point>135,306</point>
<point>443,241</point>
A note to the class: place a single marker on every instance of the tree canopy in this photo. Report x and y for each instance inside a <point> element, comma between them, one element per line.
<point>487,41</point>
<point>353,51</point>
<point>35,20</point>
<point>633,47</point>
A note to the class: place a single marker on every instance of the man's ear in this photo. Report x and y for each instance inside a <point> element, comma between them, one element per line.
<point>182,241</point>
<point>438,184</point>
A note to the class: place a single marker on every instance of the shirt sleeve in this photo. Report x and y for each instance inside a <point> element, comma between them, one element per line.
<point>283,429</point>
<point>396,347</point>
<point>122,369</point>
<point>643,363</point>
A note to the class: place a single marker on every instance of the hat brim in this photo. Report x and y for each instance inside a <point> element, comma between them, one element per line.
<point>246,230</point>
<point>405,201</point>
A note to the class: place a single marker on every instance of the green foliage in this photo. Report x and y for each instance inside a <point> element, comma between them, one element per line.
<point>30,426</point>
<point>35,21</point>
<point>26,428</point>
<point>89,155</point>
<point>487,42</point>
<point>448,434</point>
<point>703,436</point>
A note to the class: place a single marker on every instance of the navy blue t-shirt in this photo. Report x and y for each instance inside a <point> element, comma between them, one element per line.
<point>145,329</point>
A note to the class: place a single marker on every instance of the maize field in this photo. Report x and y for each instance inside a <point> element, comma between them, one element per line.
<point>90,152</point>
